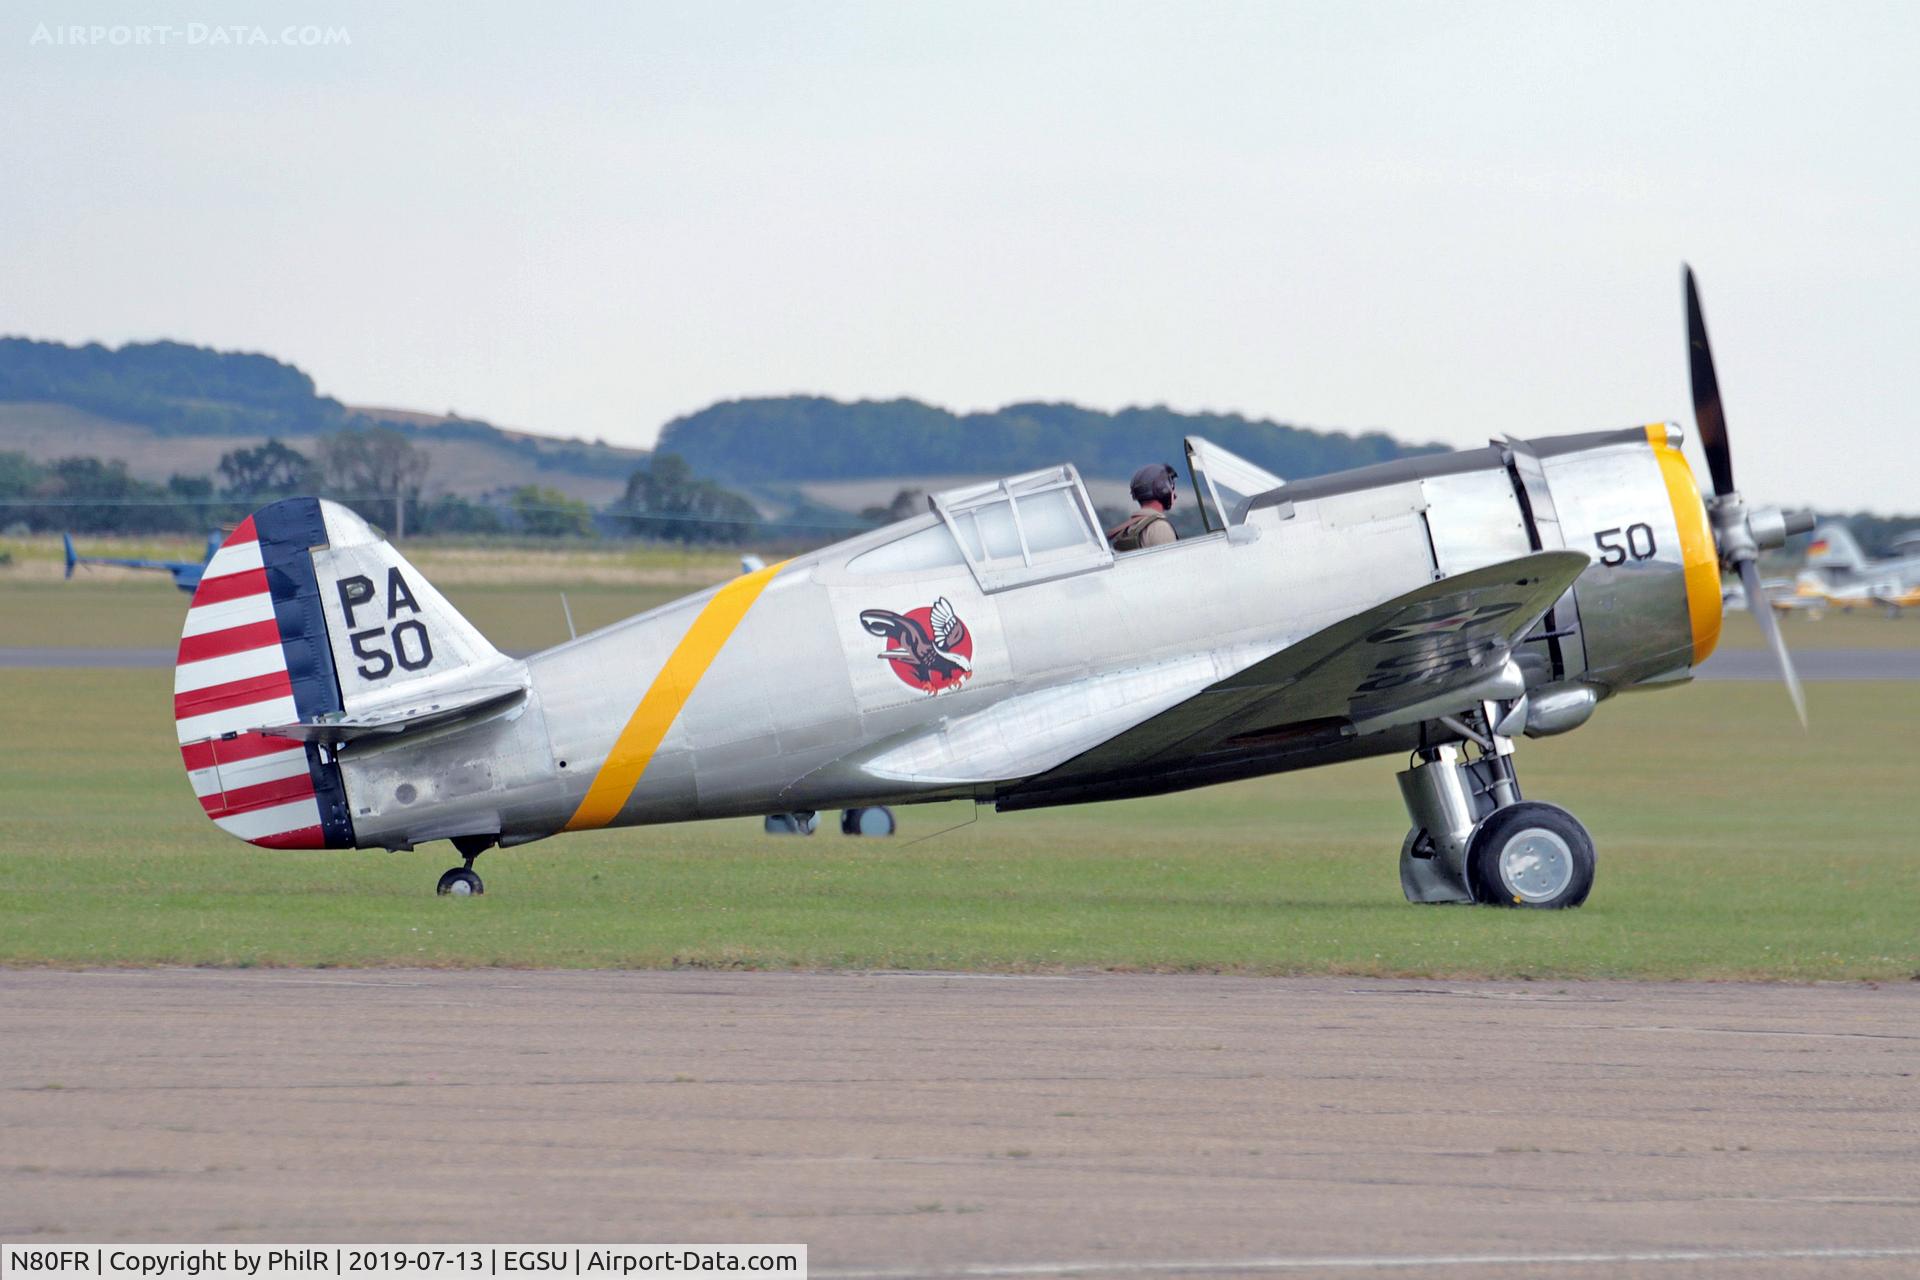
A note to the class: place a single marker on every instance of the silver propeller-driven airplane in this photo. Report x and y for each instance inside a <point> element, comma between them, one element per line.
<point>1840,574</point>
<point>996,649</point>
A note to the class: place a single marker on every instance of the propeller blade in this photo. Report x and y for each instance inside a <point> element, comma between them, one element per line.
<point>1707,414</point>
<point>1770,626</point>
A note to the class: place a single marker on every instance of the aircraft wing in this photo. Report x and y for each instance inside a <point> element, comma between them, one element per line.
<point>1434,651</point>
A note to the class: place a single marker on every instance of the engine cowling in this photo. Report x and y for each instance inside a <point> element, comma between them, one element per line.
<point>1648,609</point>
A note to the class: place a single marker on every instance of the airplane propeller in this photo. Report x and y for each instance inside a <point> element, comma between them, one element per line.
<point>1740,532</point>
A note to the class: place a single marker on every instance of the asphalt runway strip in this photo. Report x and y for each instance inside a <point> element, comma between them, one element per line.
<point>921,1125</point>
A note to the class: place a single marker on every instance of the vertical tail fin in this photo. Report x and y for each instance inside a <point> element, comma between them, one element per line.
<point>303,615</point>
<point>1833,547</point>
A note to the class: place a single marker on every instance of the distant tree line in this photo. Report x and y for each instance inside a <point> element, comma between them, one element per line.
<point>376,471</point>
<point>816,438</point>
<point>666,500</point>
<point>93,495</point>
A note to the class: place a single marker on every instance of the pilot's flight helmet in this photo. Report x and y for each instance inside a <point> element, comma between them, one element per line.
<point>1154,482</point>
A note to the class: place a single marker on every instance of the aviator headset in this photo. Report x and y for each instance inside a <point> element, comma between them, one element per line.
<point>1154,482</point>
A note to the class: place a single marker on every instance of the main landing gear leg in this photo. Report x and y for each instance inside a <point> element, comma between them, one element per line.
<point>461,882</point>
<point>1475,839</point>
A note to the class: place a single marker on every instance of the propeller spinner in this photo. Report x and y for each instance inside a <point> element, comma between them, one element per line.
<point>1740,532</point>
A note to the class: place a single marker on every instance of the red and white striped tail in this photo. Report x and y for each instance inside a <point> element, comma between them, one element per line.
<point>231,678</point>
<point>304,618</point>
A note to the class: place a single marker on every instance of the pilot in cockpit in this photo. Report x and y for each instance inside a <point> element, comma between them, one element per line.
<point>1153,490</point>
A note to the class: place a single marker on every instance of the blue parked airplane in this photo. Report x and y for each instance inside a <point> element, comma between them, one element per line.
<point>186,573</point>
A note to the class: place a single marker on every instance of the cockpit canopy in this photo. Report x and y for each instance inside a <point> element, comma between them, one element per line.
<point>1041,525</point>
<point>1025,528</point>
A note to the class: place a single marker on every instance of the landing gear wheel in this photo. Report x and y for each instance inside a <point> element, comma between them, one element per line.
<point>801,823</point>
<point>1531,855</point>
<point>461,882</point>
<point>876,820</point>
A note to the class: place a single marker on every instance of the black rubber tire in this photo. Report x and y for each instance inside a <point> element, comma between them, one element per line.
<point>458,878</point>
<point>1501,828</point>
<point>853,820</point>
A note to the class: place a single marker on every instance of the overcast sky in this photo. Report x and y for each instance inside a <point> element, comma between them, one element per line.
<point>1444,221</point>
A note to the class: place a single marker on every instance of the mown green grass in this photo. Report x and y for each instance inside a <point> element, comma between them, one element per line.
<point>1732,846</point>
<point>44,553</point>
<point>518,618</point>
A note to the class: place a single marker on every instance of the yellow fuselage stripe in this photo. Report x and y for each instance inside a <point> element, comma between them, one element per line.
<point>633,750</point>
<point>1697,554</point>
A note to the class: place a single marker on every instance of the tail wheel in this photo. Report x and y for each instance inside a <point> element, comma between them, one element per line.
<point>1531,855</point>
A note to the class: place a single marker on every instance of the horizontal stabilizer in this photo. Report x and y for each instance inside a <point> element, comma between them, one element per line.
<point>404,717</point>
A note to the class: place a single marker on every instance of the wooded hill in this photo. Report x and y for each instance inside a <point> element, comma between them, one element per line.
<point>166,407</point>
<point>190,400</point>
<point>174,413</point>
<point>799,438</point>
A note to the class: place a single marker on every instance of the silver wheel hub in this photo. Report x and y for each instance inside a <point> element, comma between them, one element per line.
<point>1536,865</point>
<point>460,889</point>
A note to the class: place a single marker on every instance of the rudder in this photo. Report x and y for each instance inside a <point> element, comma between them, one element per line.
<point>254,653</point>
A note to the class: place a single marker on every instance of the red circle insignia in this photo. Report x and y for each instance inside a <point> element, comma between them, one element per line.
<point>929,648</point>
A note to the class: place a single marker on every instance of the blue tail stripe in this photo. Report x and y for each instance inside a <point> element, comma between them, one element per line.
<point>288,531</point>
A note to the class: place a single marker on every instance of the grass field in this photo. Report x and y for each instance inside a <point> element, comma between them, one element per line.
<point>511,593</point>
<point>1732,846</point>
<point>36,557</point>
<point>516,617</point>
<point>1862,629</point>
